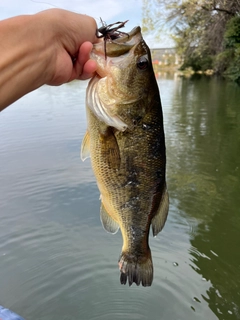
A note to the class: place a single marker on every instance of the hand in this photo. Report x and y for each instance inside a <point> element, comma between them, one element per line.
<point>51,47</point>
<point>71,35</point>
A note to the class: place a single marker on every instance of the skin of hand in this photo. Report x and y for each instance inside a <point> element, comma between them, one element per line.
<point>51,47</point>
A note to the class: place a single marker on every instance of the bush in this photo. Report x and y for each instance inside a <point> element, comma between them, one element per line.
<point>198,63</point>
<point>228,61</point>
<point>221,61</point>
<point>233,70</point>
<point>232,33</point>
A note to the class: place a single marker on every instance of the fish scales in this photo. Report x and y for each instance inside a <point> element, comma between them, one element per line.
<point>125,140</point>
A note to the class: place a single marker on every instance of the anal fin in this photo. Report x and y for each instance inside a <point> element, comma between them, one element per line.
<point>160,217</point>
<point>108,223</point>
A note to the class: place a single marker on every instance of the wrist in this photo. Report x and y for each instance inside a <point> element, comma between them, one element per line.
<point>24,59</point>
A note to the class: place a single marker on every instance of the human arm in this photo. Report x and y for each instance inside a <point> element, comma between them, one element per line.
<point>40,49</point>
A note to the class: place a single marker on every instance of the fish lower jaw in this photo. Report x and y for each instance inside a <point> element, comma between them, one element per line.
<point>136,269</point>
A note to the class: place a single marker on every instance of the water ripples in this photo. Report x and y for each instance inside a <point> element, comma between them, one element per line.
<point>56,261</point>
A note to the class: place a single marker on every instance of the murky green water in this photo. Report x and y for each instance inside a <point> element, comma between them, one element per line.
<point>56,261</point>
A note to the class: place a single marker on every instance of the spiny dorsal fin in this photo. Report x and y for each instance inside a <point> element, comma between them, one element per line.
<point>160,217</point>
<point>85,147</point>
<point>108,223</point>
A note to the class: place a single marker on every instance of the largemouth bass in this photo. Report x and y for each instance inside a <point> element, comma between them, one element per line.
<point>125,140</point>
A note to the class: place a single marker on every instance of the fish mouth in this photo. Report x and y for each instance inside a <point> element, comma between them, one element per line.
<point>125,40</point>
<point>109,50</point>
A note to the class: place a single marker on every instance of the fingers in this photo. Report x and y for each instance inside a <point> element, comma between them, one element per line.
<point>69,44</point>
<point>84,54</point>
<point>84,67</point>
<point>89,69</point>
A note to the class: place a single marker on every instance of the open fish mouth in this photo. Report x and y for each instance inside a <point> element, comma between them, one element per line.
<point>107,49</point>
<point>120,45</point>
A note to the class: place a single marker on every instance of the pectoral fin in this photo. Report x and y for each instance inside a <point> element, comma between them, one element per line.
<point>108,223</point>
<point>160,217</point>
<point>109,148</point>
<point>85,147</point>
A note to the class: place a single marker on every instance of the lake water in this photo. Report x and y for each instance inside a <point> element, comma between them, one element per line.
<point>56,261</point>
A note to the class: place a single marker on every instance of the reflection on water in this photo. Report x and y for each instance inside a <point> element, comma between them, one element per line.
<point>204,178</point>
<point>56,261</point>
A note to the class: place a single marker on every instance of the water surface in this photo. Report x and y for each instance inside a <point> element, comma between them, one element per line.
<point>56,261</point>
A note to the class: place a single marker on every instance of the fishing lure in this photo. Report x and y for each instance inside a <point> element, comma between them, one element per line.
<point>110,32</point>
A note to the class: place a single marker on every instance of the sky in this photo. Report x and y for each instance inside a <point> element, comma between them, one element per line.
<point>109,10</point>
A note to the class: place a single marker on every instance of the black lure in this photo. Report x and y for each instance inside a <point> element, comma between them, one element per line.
<point>110,32</point>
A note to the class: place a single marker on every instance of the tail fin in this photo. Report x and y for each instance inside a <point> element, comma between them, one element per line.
<point>136,269</point>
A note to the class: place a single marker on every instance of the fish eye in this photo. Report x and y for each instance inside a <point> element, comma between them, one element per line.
<point>142,63</point>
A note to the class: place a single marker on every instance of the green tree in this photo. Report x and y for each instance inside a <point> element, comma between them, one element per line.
<point>199,28</point>
<point>228,61</point>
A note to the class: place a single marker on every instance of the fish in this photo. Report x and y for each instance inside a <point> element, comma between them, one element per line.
<point>126,144</point>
